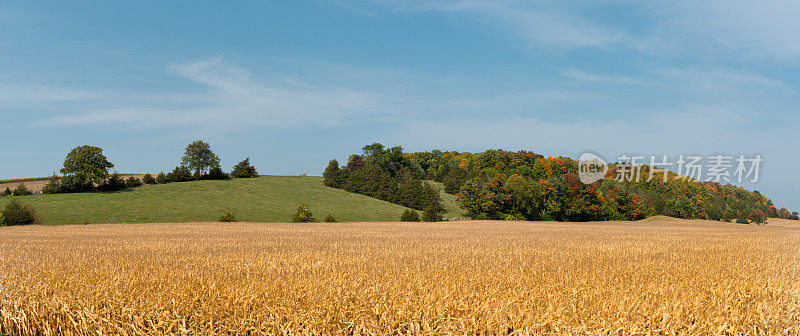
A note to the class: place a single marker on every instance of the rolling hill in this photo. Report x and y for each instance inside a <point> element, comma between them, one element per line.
<point>263,199</point>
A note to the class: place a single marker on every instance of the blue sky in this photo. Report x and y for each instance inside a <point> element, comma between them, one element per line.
<point>291,84</point>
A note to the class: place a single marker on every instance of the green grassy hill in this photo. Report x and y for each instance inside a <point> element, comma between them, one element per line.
<point>264,199</point>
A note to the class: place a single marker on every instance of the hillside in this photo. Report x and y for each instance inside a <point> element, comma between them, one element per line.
<point>264,199</point>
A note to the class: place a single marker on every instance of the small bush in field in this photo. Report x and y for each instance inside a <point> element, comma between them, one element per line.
<point>330,219</point>
<point>227,217</point>
<point>742,221</point>
<point>2,223</point>
<point>133,182</point>
<point>22,190</point>
<point>16,213</point>
<point>53,185</point>
<point>162,178</point>
<point>7,192</point>
<point>148,179</point>
<point>303,215</point>
<point>244,170</point>
<point>409,216</point>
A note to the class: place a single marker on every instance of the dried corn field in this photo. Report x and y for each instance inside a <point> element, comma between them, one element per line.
<point>621,278</point>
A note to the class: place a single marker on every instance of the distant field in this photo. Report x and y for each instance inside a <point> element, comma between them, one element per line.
<point>264,199</point>
<point>654,277</point>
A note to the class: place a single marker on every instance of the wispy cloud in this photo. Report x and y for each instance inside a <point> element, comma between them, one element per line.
<point>230,98</point>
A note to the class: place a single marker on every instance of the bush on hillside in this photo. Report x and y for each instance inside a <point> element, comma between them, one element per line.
<point>163,178</point>
<point>795,216</point>
<point>215,173</point>
<point>227,217</point>
<point>148,179</point>
<point>180,174</point>
<point>7,192</point>
<point>113,183</point>
<point>432,214</point>
<point>244,170</point>
<point>75,184</point>
<point>22,190</point>
<point>2,219</point>
<point>409,216</point>
<point>133,182</point>
<point>330,219</point>
<point>16,213</point>
<point>53,185</point>
<point>332,176</point>
<point>303,215</point>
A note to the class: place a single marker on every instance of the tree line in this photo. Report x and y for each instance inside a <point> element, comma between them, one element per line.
<point>499,184</point>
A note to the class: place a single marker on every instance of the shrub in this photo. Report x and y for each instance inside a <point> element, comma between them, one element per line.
<point>180,174</point>
<point>215,173</point>
<point>330,219</point>
<point>148,179</point>
<point>742,221</point>
<point>2,220</point>
<point>409,216</point>
<point>795,216</point>
<point>113,183</point>
<point>227,217</point>
<point>22,190</point>
<point>758,216</point>
<point>244,170</point>
<point>432,214</point>
<point>163,178</point>
<point>53,185</point>
<point>16,213</point>
<point>133,182</point>
<point>75,184</point>
<point>7,191</point>
<point>303,215</point>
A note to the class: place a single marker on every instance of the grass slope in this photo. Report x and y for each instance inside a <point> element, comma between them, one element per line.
<point>263,199</point>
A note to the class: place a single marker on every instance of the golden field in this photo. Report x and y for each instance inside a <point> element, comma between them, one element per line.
<point>652,277</point>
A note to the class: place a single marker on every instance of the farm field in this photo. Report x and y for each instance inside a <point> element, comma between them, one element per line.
<point>263,199</point>
<point>656,276</point>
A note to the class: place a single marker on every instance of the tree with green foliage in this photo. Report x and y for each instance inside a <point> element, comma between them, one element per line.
<point>303,215</point>
<point>199,157</point>
<point>332,176</point>
<point>243,169</point>
<point>16,213</point>
<point>7,192</point>
<point>432,213</point>
<point>86,166</point>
